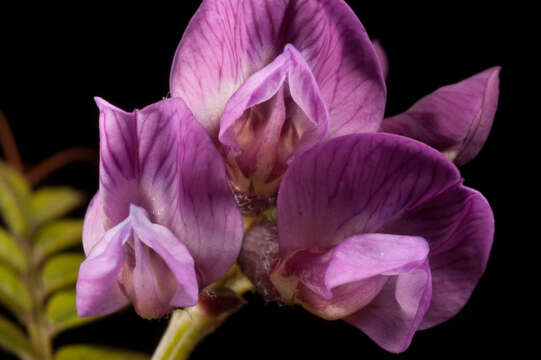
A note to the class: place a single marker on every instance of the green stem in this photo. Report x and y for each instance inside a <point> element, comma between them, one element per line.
<point>35,322</point>
<point>189,326</point>
<point>40,341</point>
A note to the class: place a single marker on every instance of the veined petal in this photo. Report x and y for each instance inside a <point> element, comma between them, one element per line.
<point>147,281</point>
<point>392,318</point>
<point>161,159</point>
<point>276,113</point>
<point>118,161</point>
<point>353,185</point>
<point>306,94</point>
<point>226,42</point>
<point>265,83</point>
<point>97,290</point>
<point>260,87</point>
<point>174,254</point>
<point>346,299</point>
<point>139,155</point>
<point>358,257</point>
<point>348,277</point>
<point>94,224</point>
<point>460,227</point>
<point>208,220</point>
<point>159,140</point>
<point>455,119</point>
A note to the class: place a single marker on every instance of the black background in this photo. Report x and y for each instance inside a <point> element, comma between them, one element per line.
<point>54,59</point>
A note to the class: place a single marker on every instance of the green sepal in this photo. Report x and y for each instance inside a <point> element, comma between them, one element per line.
<point>91,352</point>
<point>10,253</point>
<point>13,294</point>
<point>60,271</point>
<point>49,203</point>
<point>57,236</point>
<point>14,340</point>
<point>14,200</point>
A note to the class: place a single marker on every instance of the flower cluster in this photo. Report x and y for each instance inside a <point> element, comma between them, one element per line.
<point>280,104</point>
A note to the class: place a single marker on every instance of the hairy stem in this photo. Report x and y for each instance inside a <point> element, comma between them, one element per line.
<point>189,326</point>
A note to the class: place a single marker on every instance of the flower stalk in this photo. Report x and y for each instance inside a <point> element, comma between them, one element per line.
<point>189,326</point>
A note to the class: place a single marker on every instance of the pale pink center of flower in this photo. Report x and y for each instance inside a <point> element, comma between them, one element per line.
<point>267,133</point>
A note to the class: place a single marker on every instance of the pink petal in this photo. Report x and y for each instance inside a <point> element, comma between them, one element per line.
<point>460,227</point>
<point>118,161</point>
<point>358,257</point>
<point>149,284</point>
<point>265,83</point>
<point>348,277</point>
<point>277,112</point>
<point>393,185</point>
<point>94,224</point>
<point>161,159</point>
<point>226,42</point>
<point>207,220</point>
<point>392,318</point>
<point>354,185</point>
<point>97,290</point>
<point>260,87</point>
<point>175,255</point>
<point>455,119</point>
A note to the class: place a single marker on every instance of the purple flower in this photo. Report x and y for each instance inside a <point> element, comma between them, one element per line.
<point>377,230</point>
<point>163,223</point>
<point>455,119</point>
<point>270,79</point>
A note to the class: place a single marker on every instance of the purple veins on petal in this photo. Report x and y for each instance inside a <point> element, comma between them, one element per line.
<point>271,79</point>
<point>227,42</point>
<point>378,230</point>
<point>163,180</point>
<point>455,119</point>
<point>153,254</point>
<point>346,278</point>
<point>98,272</point>
<point>173,253</point>
<point>277,112</point>
<point>392,318</point>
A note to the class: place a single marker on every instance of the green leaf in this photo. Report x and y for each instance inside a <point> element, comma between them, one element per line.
<point>89,352</point>
<point>10,253</point>
<point>53,202</point>
<point>61,271</point>
<point>14,340</point>
<point>14,199</point>
<point>61,312</point>
<point>57,236</point>
<point>13,294</point>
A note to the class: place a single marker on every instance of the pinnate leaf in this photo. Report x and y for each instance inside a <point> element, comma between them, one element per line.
<point>14,200</point>
<point>57,236</point>
<point>53,202</point>
<point>60,271</point>
<point>61,312</point>
<point>14,340</point>
<point>13,293</point>
<point>90,352</point>
<point>10,253</point>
